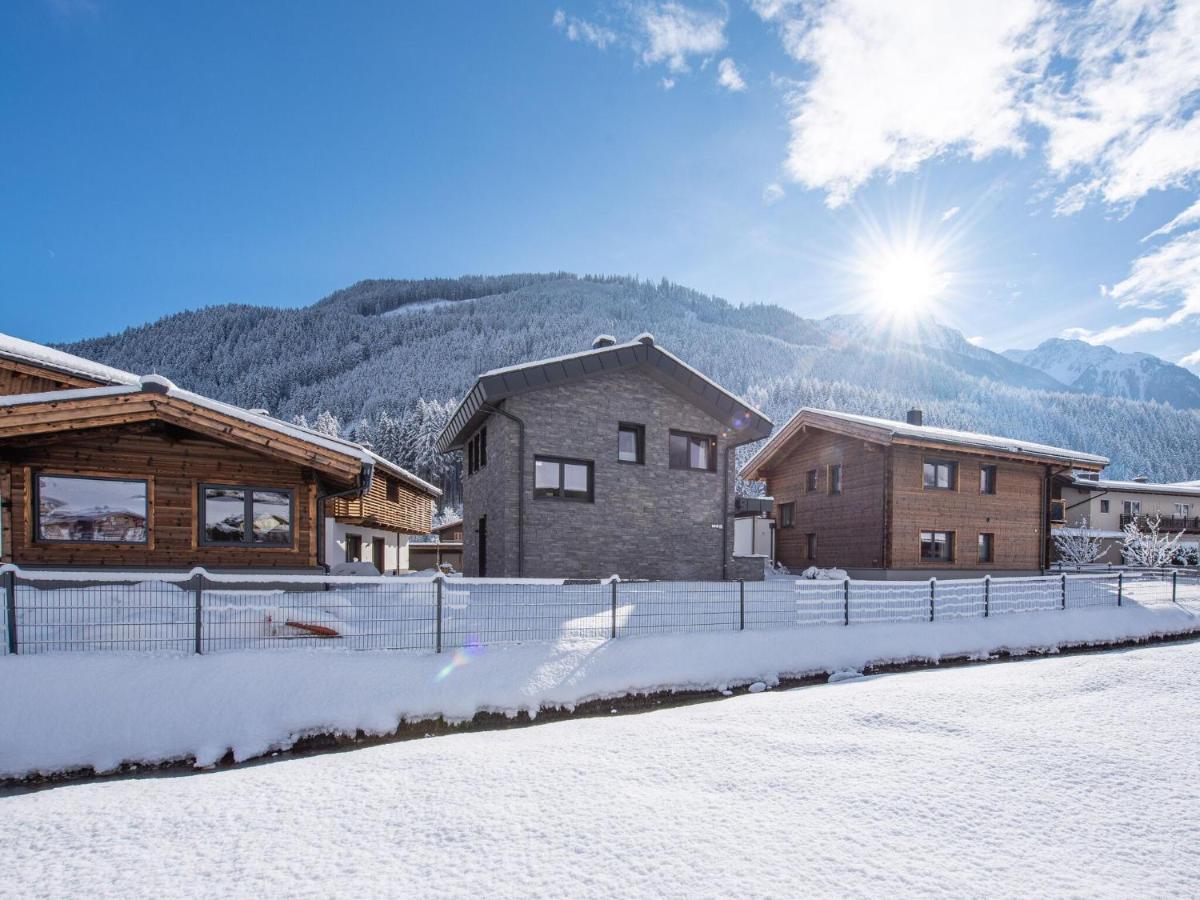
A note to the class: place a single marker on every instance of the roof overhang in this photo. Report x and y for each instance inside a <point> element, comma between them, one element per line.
<point>492,387</point>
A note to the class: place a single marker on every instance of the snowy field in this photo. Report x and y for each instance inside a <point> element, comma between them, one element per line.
<point>1056,777</point>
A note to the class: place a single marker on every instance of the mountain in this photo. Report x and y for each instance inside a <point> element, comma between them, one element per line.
<point>1096,369</point>
<point>387,360</point>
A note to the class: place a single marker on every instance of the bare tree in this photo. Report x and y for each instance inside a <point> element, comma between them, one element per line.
<point>1147,546</point>
<point>1078,545</point>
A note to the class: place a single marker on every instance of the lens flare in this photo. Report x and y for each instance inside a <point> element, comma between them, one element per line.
<point>460,658</point>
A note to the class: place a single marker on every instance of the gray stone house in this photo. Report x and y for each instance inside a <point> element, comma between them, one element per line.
<point>618,460</point>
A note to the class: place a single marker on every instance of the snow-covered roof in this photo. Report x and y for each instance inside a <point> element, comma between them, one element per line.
<point>889,430</point>
<point>157,384</point>
<point>450,523</point>
<point>496,384</point>
<point>23,351</point>
<point>1179,489</point>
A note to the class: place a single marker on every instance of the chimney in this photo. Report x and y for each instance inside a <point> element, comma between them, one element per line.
<point>603,340</point>
<point>914,417</point>
<point>1141,479</point>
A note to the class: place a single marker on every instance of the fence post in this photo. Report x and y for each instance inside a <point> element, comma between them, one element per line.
<point>1175,586</point>
<point>198,602</point>
<point>437,582</point>
<point>614,609</point>
<point>10,609</point>
<point>932,592</point>
<point>1064,590</point>
<point>741,604</point>
<point>846,602</point>
<point>1120,586</point>
<point>987,595</point>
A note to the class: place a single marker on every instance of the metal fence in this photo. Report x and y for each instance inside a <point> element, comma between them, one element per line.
<point>201,612</point>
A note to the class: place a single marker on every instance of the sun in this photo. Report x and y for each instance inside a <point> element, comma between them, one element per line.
<point>904,281</point>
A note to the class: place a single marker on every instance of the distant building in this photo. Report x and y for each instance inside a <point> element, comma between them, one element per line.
<point>445,550</point>
<point>616,460</point>
<point>900,499</point>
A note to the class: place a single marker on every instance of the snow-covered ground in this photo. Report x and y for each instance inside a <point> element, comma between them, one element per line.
<point>76,710</point>
<point>1064,776</point>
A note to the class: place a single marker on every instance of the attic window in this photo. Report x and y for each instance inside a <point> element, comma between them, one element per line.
<point>693,451</point>
<point>477,451</point>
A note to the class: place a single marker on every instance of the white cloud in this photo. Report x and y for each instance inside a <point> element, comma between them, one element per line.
<point>895,84</point>
<point>977,340</point>
<point>773,193</point>
<point>667,83</point>
<point>729,77</point>
<point>950,214</point>
<point>673,32</point>
<point>1192,359</point>
<point>1190,216</point>
<point>581,30</point>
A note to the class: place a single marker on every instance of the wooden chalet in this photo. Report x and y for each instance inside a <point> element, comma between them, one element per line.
<point>99,467</point>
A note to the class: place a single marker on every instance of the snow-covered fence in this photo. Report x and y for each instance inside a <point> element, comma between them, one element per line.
<point>202,612</point>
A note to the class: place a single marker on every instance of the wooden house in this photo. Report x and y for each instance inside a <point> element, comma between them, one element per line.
<point>100,467</point>
<point>883,498</point>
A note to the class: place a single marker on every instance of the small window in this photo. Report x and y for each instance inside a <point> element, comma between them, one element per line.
<point>565,479</point>
<point>810,480</point>
<point>354,547</point>
<point>244,515</point>
<point>1183,510</point>
<point>987,547</point>
<point>940,475</point>
<point>631,443</point>
<point>1131,507</point>
<point>987,479</point>
<point>477,451</point>
<point>393,490</point>
<point>787,515</point>
<point>937,546</point>
<point>1103,506</point>
<point>835,479</point>
<point>91,510</point>
<point>810,546</point>
<point>693,451</point>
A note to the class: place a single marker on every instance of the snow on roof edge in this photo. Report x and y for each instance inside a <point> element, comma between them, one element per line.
<point>61,361</point>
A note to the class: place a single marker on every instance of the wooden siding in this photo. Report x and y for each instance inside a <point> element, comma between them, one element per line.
<point>1014,514</point>
<point>25,378</point>
<point>411,513</point>
<point>849,525</point>
<point>174,463</point>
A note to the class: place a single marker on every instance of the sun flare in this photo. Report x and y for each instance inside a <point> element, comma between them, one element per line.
<point>904,281</point>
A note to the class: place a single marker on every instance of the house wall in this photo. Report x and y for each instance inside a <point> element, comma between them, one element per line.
<point>1080,504</point>
<point>174,464</point>
<point>848,526</point>
<point>395,547</point>
<point>647,521</point>
<point>1014,514</point>
<point>22,378</point>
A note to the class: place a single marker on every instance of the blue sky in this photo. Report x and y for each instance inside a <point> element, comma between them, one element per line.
<point>158,157</point>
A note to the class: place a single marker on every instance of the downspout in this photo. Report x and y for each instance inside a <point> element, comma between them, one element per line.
<point>365,479</point>
<point>727,513</point>
<point>520,483</point>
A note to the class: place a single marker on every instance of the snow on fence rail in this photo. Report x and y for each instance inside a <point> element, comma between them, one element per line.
<point>202,612</point>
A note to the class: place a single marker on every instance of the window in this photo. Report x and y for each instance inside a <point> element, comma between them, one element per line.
<point>354,548</point>
<point>693,451</point>
<point>787,515</point>
<point>810,546</point>
<point>566,479</point>
<point>1183,510</point>
<point>835,479</point>
<point>987,547</point>
<point>477,451</point>
<point>810,480</point>
<point>393,490</point>
<point>631,443</point>
<point>987,479</point>
<point>1131,507</point>
<point>937,546</point>
<point>940,475</point>
<point>1103,506</point>
<point>245,515</point>
<point>93,510</point>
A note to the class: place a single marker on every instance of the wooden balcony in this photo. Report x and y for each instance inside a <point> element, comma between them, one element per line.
<point>1169,524</point>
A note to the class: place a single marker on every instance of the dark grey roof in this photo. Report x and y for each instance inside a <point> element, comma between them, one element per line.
<point>670,371</point>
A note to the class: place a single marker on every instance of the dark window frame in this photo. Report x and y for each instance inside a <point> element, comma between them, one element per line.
<point>247,542</point>
<point>392,490</point>
<point>989,477</point>
<point>834,484</point>
<point>36,498</point>
<point>810,481</point>
<point>990,543</point>
<point>810,546</point>
<point>951,543</point>
<point>951,464</point>
<point>788,519</point>
<point>477,451</point>
<point>639,432</point>
<point>1104,506</point>
<point>560,492</point>
<point>357,539</point>
<point>709,439</point>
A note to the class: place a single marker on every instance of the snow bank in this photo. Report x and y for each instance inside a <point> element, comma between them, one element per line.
<point>70,711</point>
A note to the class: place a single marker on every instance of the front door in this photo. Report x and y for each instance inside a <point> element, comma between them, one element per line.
<point>378,546</point>
<point>482,532</point>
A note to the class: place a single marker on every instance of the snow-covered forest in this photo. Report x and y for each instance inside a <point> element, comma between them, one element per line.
<point>386,361</point>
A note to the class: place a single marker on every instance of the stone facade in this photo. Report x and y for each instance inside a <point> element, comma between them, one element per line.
<point>645,521</point>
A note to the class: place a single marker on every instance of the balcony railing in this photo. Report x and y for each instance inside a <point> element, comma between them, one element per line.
<point>1167,523</point>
